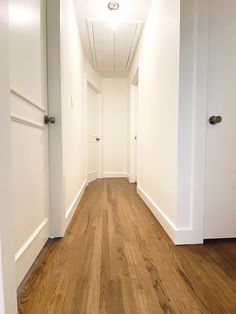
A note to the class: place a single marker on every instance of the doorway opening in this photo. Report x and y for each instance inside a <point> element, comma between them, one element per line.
<point>134,126</point>
<point>94,132</point>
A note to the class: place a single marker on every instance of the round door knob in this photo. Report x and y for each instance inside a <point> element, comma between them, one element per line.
<point>48,120</point>
<point>215,119</point>
<point>97,139</point>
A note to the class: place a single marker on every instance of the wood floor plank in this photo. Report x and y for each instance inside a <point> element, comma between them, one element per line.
<point>116,259</point>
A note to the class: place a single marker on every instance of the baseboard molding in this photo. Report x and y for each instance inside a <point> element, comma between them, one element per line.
<point>132,179</point>
<point>158,213</point>
<point>115,174</point>
<point>188,236</point>
<point>180,236</point>
<point>27,254</point>
<point>70,212</point>
<point>92,180</point>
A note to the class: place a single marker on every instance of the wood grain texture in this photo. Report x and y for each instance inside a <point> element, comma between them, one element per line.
<point>116,258</point>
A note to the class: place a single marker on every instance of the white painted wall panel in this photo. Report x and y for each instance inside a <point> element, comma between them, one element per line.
<point>73,107</point>
<point>159,96</point>
<point>158,62</point>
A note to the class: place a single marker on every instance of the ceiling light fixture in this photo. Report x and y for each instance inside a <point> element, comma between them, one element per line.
<point>113,5</point>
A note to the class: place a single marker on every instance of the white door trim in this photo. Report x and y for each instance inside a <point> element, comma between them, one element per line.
<point>131,159</point>
<point>200,123</point>
<point>132,133</point>
<point>7,267</point>
<point>90,84</point>
<point>133,123</point>
<point>57,184</point>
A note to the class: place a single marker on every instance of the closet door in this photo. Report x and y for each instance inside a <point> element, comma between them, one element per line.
<point>28,83</point>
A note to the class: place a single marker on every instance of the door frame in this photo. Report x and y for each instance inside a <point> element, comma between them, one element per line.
<point>56,159</point>
<point>198,132</point>
<point>90,84</point>
<point>7,260</point>
<point>134,120</point>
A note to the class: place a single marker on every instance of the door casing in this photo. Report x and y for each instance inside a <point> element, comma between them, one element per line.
<point>89,84</point>
<point>133,133</point>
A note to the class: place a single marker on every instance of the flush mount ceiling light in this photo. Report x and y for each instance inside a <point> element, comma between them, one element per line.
<point>113,5</point>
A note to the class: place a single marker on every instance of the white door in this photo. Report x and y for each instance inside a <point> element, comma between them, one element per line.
<point>7,278</point>
<point>92,131</point>
<point>29,133</point>
<point>220,198</point>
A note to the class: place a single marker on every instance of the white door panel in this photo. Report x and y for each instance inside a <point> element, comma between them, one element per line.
<point>25,52</point>
<point>30,188</point>
<point>92,158</point>
<point>29,134</point>
<point>220,198</point>
<point>92,131</point>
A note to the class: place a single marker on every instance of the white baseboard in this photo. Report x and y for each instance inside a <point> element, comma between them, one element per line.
<point>70,212</point>
<point>91,180</point>
<point>115,174</point>
<point>27,254</point>
<point>180,236</point>
<point>132,179</point>
<point>158,213</point>
<point>185,236</point>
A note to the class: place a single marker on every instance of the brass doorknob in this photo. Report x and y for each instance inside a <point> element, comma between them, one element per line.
<point>98,139</point>
<point>215,119</point>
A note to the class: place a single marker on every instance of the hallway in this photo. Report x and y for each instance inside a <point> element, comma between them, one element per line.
<point>116,258</point>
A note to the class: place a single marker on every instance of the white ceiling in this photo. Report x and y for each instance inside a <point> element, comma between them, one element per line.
<point>110,50</point>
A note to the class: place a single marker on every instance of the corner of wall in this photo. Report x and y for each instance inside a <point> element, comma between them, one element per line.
<point>179,236</point>
<point>158,213</point>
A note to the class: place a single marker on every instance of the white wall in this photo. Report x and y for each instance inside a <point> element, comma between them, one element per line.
<point>115,127</point>
<point>74,72</point>
<point>7,271</point>
<point>172,62</point>
<point>158,112</point>
<point>93,77</point>
<point>73,108</point>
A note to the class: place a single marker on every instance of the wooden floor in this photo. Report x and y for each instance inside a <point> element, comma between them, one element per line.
<point>116,258</point>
